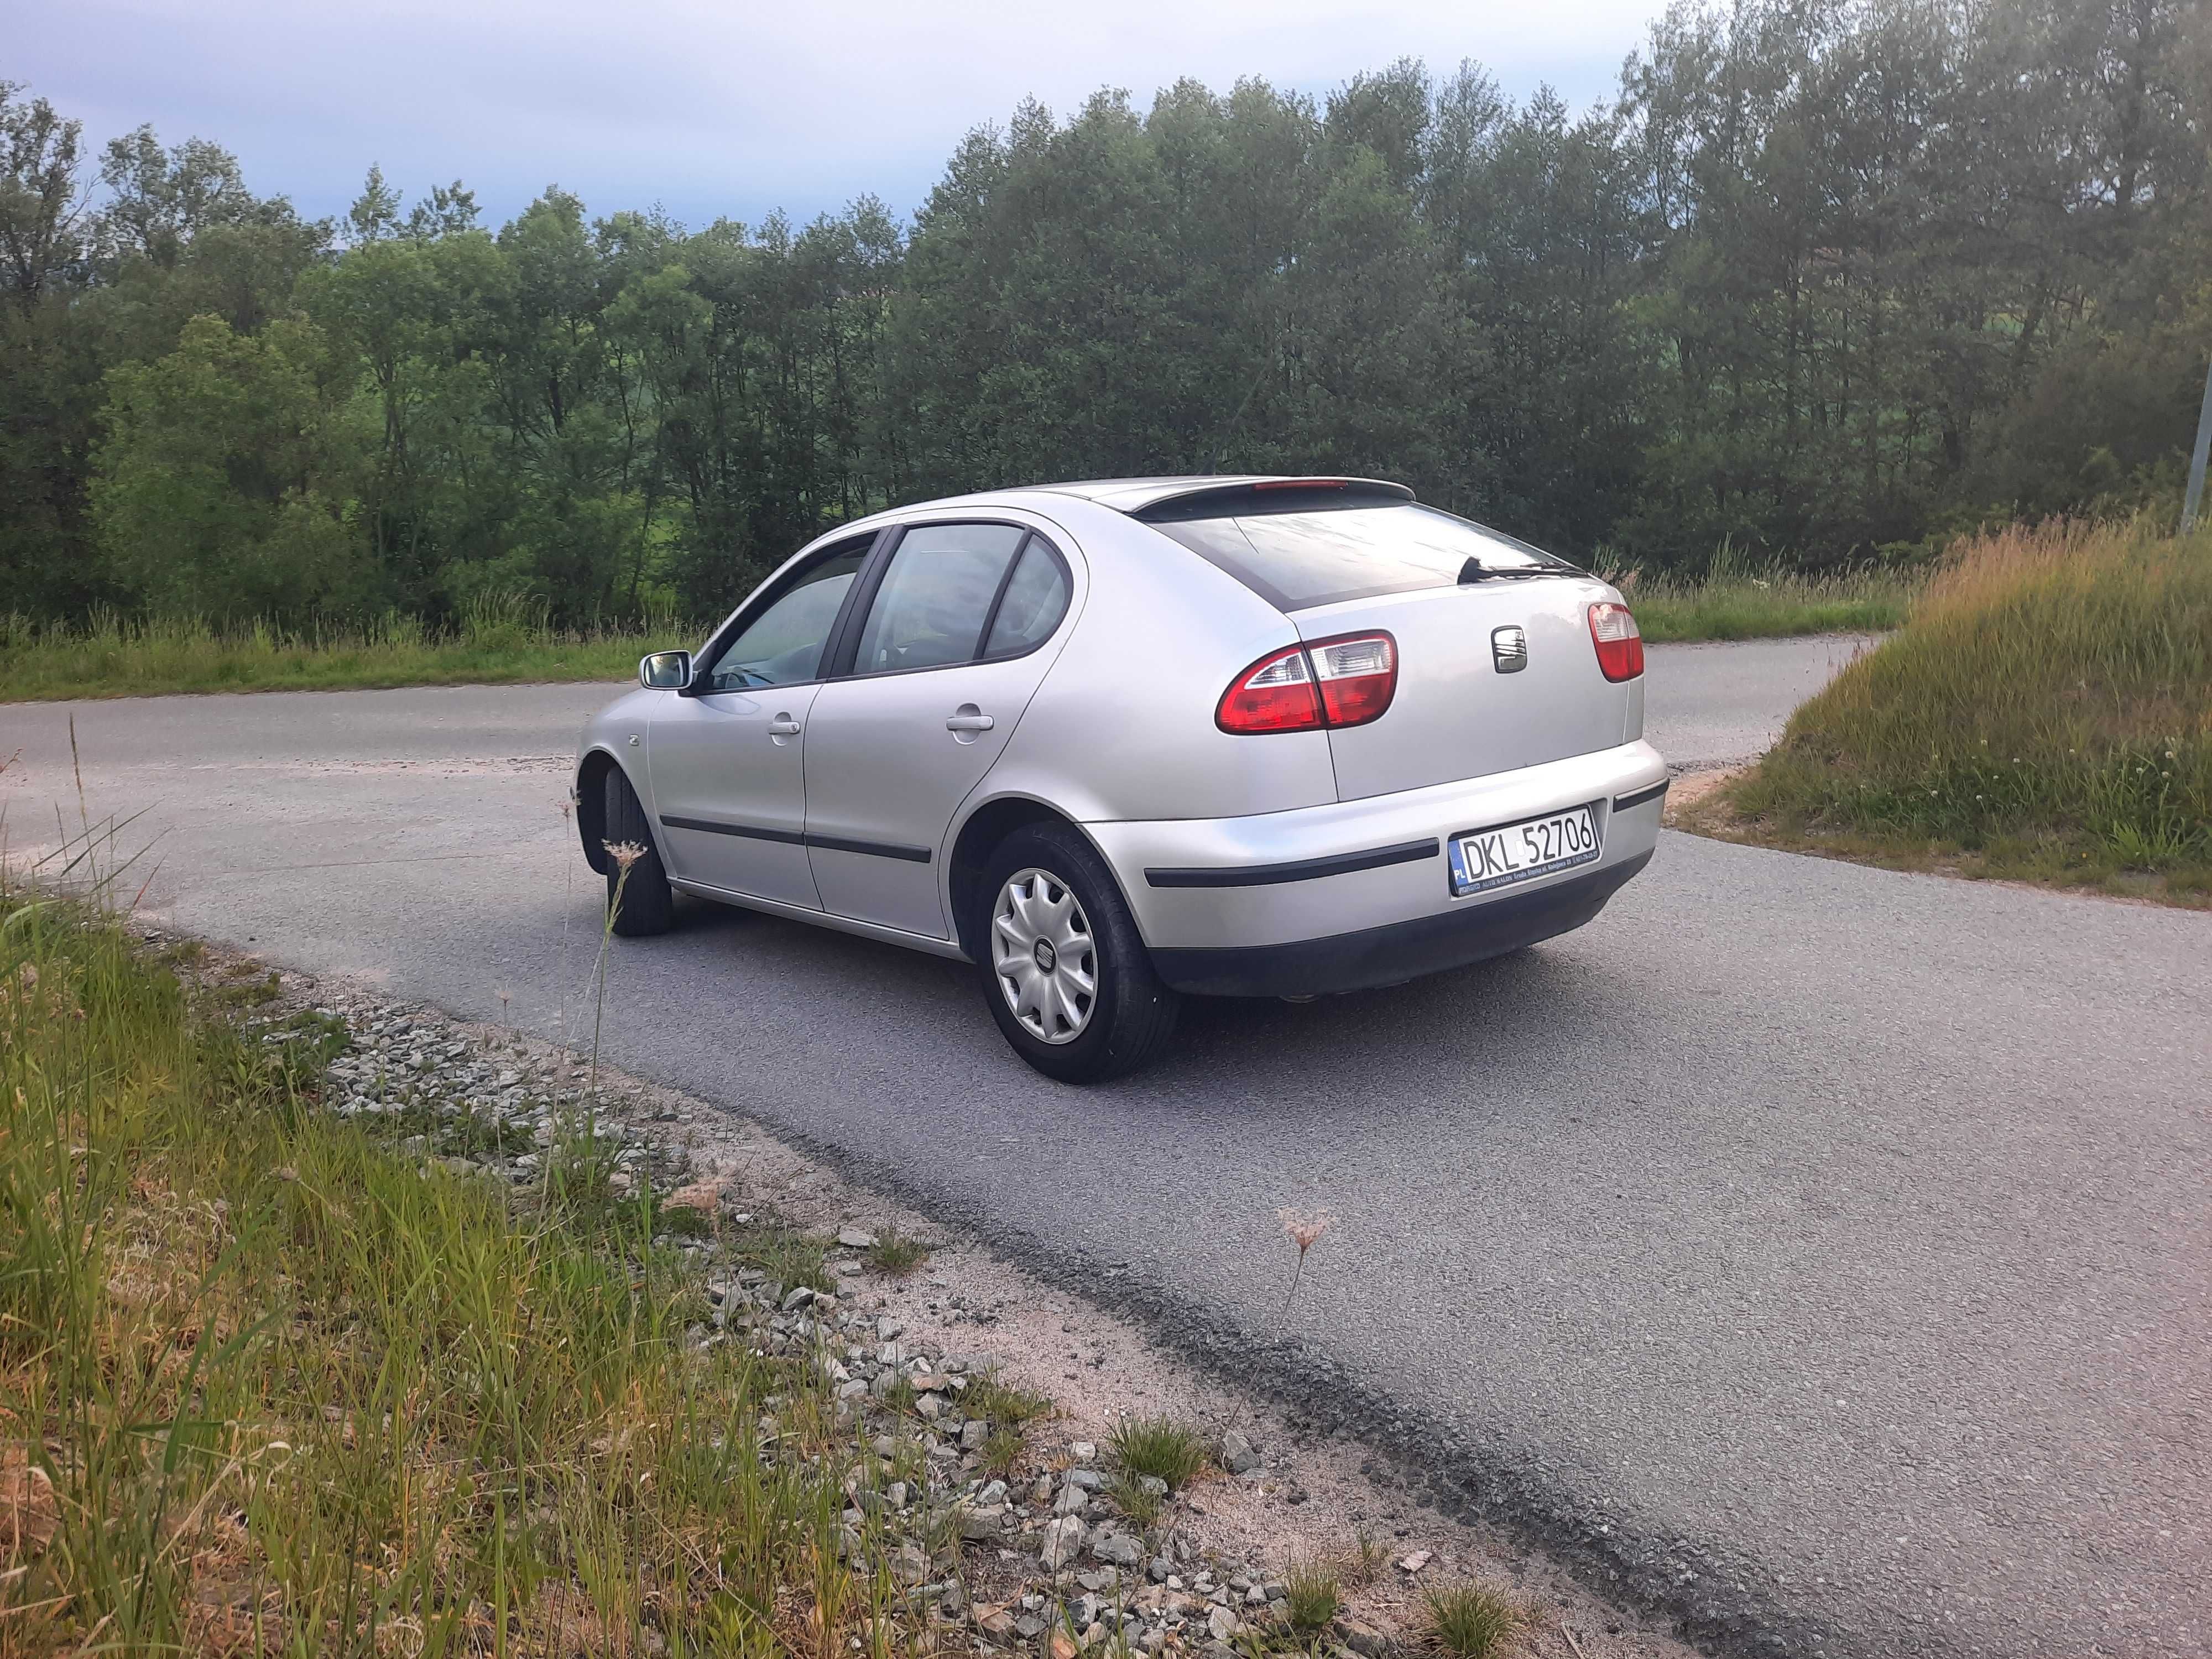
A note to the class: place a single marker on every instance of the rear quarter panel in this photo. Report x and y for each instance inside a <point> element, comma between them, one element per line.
<point>1122,727</point>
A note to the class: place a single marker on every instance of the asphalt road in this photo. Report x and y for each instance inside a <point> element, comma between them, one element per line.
<point>1820,1249</point>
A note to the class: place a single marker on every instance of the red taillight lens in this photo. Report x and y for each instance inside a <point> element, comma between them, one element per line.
<point>1347,681</point>
<point>1619,642</point>
<point>1275,694</point>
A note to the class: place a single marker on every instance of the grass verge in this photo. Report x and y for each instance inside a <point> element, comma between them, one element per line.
<point>268,1385</point>
<point>2044,714</point>
<point>493,646</point>
<point>1735,602</point>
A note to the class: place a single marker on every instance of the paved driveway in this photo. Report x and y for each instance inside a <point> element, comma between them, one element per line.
<point>1820,1249</point>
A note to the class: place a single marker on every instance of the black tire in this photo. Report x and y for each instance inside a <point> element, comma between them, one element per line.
<point>1132,1015</point>
<point>647,902</point>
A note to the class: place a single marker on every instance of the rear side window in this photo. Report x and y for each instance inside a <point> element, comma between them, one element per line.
<point>1035,600</point>
<point>936,597</point>
<point>1295,560</point>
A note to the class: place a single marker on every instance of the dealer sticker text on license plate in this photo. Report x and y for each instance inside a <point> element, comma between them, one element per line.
<point>1483,858</point>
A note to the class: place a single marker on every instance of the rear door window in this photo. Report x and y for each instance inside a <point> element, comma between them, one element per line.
<point>1295,560</point>
<point>936,597</point>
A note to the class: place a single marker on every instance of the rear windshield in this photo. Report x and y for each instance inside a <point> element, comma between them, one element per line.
<point>1294,560</point>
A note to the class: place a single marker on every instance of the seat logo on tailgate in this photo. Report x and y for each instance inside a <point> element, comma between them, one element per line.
<point>1509,649</point>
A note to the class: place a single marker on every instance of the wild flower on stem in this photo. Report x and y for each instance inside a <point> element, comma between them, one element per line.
<point>625,853</point>
<point>1305,1232</point>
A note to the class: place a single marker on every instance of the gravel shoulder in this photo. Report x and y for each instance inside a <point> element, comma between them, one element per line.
<point>1285,1491</point>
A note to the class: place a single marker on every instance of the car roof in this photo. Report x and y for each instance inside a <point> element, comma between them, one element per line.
<point>1135,494</point>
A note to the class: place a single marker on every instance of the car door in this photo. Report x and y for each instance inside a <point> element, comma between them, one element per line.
<point>727,756</point>
<point>953,641</point>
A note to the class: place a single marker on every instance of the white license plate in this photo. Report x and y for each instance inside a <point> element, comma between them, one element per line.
<point>1483,858</point>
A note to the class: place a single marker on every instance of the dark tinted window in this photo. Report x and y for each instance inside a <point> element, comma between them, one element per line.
<point>782,646</point>
<point>930,608</point>
<point>1296,560</point>
<point>1035,599</point>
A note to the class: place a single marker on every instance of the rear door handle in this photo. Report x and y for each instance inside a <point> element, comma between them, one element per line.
<point>968,723</point>
<point>783,726</point>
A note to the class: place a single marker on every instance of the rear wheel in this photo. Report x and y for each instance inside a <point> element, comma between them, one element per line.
<point>642,901</point>
<point>1065,971</point>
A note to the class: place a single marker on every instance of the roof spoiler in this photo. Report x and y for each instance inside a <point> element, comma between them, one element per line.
<point>1237,500</point>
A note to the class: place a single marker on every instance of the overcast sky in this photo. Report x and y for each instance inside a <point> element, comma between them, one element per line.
<point>716,106</point>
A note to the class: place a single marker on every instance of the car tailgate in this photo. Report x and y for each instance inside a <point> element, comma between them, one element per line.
<point>1457,714</point>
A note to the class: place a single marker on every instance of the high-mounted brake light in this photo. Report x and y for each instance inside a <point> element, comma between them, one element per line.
<point>1347,681</point>
<point>1619,642</point>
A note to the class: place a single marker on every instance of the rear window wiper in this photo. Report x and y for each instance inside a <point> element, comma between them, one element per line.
<point>1475,571</point>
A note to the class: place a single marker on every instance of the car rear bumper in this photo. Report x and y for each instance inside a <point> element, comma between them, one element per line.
<point>1400,951</point>
<point>1357,893</point>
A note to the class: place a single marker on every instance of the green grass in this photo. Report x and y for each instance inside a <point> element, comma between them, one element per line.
<point>267,1385</point>
<point>1139,1505</point>
<point>1315,1592</point>
<point>495,645</point>
<point>1735,602</point>
<point>1158,1446</point>
<point>2044,713</point>
<point>1008,1403</point>
<point>1468,1621</point>
<point>895,1255</point>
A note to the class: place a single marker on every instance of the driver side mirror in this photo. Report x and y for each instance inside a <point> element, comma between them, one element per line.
<point>664,670</point>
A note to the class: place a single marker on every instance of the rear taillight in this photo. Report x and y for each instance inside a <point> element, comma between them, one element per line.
<point>1345,681</point>
<point>1619,642</point>
<point>1358,677</point>
<point>1275,694</point>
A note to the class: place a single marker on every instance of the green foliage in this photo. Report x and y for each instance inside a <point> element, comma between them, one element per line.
<point>111,657</point>
<point>225,476</point>
<point>1468,1621</point>
<point>1137,1502</point>
<point>2047,707</point>
<point>1735,602</point>
<point>246,1349</point>
<point>1003,1402</point>
<point>1158,1446</point>
<point>1820,280</point>
<point>1314,1596</point>
<point>895,1253</point>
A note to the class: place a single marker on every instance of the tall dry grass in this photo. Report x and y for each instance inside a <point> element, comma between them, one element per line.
<point>2048,702</point>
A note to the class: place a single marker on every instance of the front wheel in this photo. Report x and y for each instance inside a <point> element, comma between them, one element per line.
<point>1064,969</point>
<point>640,900</point>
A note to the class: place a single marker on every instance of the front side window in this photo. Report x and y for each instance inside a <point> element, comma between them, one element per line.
<point>936,597</point>
<point>782,646</point>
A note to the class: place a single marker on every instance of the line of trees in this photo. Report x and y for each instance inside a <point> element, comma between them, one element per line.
<point>1827,277</point>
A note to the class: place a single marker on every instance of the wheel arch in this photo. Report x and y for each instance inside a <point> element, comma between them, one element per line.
<point>983,829</point>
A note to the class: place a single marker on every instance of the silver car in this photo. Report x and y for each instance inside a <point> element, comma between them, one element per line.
<point>1123,741</point>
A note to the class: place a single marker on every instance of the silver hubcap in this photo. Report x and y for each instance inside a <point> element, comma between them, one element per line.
<point>1043,955</point>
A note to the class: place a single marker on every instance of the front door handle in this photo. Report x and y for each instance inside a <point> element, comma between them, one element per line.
<point>783,726</point>
<point>968,721</point>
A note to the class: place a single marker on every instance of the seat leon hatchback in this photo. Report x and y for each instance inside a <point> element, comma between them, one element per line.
<point>1119,743</point>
